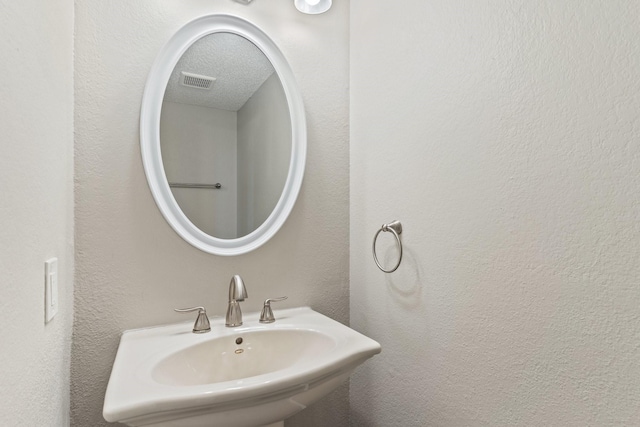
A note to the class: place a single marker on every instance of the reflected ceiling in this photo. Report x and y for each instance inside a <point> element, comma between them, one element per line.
<point>238,66</point>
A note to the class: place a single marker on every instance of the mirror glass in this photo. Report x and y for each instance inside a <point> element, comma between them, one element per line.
<point>225,135</point>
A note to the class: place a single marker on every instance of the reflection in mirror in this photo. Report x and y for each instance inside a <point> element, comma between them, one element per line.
<point>225,120</point>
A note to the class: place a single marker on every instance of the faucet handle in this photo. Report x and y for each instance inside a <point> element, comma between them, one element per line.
<point>202,324</point>
<point>267,314</point>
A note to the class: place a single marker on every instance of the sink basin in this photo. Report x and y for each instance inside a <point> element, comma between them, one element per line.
<point>220,359</point>
<point>249,376</point>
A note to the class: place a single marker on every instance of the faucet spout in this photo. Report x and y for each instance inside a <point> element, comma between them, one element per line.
<point>237,292</point>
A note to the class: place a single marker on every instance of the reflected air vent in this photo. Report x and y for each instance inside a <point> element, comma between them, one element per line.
<point>197,81</point>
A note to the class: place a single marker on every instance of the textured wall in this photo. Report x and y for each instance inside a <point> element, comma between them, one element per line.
<point>36,211</point>
<point>132,269</point>
<point>505,137</point>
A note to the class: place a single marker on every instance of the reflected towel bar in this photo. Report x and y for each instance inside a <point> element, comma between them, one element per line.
<point>215,186</point>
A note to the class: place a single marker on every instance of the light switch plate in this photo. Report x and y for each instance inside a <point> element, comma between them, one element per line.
<point>50,289</point>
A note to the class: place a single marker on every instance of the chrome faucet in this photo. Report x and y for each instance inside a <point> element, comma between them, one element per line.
<point>237,293</point>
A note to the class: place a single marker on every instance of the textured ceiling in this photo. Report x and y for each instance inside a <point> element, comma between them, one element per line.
<point>238,66</point>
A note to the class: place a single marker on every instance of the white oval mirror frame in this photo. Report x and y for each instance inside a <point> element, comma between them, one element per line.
<point>150,133</point>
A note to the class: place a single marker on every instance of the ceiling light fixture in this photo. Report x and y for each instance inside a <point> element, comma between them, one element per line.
<point>312,7</point>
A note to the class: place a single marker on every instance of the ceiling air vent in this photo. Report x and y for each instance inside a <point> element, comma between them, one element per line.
<point>197,81</point>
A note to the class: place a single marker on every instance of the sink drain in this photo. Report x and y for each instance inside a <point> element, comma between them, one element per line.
<point>239,341</point>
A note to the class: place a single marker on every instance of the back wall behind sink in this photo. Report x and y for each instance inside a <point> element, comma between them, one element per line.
<point>132,268</point>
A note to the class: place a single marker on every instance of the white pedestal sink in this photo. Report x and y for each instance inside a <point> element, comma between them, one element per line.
<point>249,376</point>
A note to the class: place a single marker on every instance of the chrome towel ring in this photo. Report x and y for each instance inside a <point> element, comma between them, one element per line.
<point>394,227</point>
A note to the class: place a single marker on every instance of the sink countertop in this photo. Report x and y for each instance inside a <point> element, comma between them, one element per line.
<point>132,392</point>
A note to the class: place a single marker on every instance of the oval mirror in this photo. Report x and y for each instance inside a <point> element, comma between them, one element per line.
<point>223,135</point>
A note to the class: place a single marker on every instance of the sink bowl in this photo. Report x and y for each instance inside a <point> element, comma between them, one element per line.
<point>249,376</point>
<point>221,359</point>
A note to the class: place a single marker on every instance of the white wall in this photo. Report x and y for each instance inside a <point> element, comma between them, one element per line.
<point>36,212</point>
<point>504,136</point>
<point>264,153</point>
<point>132,269</point>
<point>199,145</point>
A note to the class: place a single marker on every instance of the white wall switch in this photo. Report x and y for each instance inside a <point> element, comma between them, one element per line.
<point>50,289</point>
